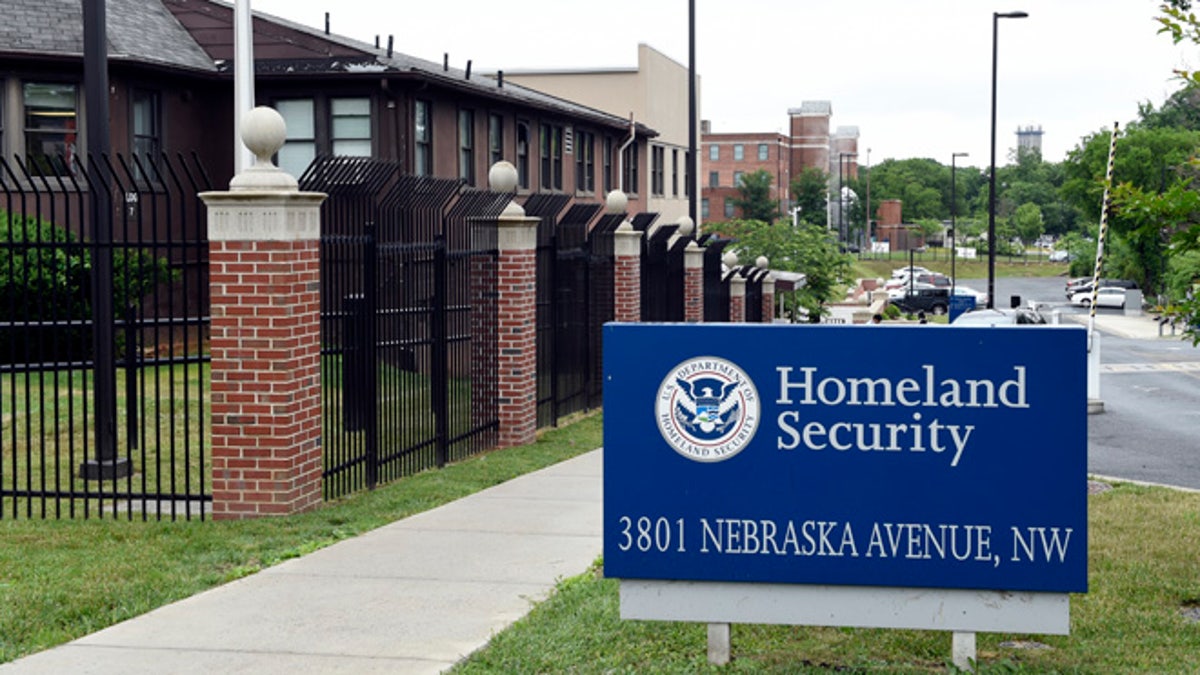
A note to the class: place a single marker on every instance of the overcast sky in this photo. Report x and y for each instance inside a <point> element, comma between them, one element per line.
<point>913,75</point>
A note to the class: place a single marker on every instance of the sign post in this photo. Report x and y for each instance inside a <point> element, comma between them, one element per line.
<point>801,475</point>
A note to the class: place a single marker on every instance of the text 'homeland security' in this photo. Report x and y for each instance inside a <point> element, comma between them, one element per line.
<point>913,434</point>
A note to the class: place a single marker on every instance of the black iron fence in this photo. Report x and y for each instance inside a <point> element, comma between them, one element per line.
<point>103,338</point>
<point>574,300</point>
<point>407,306</point>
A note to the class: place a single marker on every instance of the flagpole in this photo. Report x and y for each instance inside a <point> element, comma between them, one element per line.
<point>243,80</point>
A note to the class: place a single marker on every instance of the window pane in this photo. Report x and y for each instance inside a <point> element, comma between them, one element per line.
<point>714,152</point>
<point>738,152</point>
<point>422,122</point>
<point>295,156</point>
<point>298,116</point>
<point>762,152</point>
<point>50,125</point>
<point>351,127</point>
<point>352,106</point>
<point>352,148</point>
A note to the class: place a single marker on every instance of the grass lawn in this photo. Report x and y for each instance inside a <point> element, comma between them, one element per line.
<point>965,269</point>
<point>63,579</point>
<point>1139,617</point>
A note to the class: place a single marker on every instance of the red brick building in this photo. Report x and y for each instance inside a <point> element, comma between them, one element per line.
<point>809,143</point>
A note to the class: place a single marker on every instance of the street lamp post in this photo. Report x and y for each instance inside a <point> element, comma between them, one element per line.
<point>866,236</point>
<point>953,225</point>
<point>996,16</point>
<point>842,234</point>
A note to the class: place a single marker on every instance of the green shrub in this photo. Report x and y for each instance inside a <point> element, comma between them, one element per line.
<point>45,276</point>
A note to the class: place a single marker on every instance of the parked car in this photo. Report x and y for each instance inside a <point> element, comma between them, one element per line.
<point>1086,286</point>
<point>980,296</point>
<point>931,300</point>
<point>1000,317</point>
<point>929,278</point>
<point>905,271</point>
<point>1062,256</point>
<point>898,292</point>
<point>1108,296</point>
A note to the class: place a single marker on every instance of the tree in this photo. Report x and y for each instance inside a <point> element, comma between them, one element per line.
<point>1027,222</point>
<point>809,191</point>
<point>755,201</point>
<point>808,248</point>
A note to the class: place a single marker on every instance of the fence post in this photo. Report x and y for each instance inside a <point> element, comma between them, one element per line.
<point>693,283</point>
<point>266,387</point>
<point>516,316</point>
<point>627,273</point>
<point>737,298</point>
<point>768,298</point>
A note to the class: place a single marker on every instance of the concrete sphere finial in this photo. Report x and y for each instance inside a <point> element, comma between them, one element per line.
<point>686,226</point>
<point>263,132</point>
<point>730,259</point>
<point>502,177</point>
<point>761,262</point>
<point>616,202</point>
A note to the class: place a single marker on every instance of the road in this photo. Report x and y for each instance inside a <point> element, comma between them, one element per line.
<point>1151,392</point>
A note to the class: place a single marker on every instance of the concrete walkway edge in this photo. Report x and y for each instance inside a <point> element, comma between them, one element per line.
<point>415,596</point>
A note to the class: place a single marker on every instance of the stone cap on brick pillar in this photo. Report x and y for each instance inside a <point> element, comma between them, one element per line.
<point>737,286</point>
<point>264,202</point>
<point>515,231</point>
<point>627,242</point>
<point>263,133</point>
<point>684,228</point>
<point>693,256</point>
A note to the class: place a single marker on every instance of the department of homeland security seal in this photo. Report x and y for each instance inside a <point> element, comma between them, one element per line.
<point>707,409</point>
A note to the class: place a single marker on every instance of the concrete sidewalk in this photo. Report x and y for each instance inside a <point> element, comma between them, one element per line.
<point>1139,327</point>
<point>415,596</point>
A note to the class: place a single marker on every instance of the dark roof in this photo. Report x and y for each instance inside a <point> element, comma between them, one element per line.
<point>138,30</point>
<point>150,32</point>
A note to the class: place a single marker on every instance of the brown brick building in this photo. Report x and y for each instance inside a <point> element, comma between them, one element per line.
<point>808,143</point>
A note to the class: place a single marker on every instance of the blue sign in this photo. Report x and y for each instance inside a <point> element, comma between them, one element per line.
<point>960,304</point>
<point>851,455</point>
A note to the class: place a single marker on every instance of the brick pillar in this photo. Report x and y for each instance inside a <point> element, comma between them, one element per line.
<point>768,299</point>
<point>516,335</point>
<point>483,324</point>
<point>737,299</point>
<point>693,283</point>
<point>264,270</point>
<point>627,273</point>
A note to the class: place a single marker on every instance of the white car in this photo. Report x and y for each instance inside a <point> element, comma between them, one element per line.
<point>904,272</point>
<point>1106,296</point>
<point>898,292</point>
<point>980,296</point>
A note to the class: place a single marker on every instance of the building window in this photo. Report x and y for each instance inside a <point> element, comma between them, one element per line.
<point>658,156</point>
<point>739,152</point>
<point>585,161</point>
<point>714,152</point>
<point>300,148</point>
<point>608,164</point>
<point>728,208</point>
<point>350,126</point>
<point>495,138</point>
<point>552,156</point>
<point>714,179</point>
<point>466,146</point>
<point>763,152</point>
<point>423,139</point>
<point>704,207</point>
<point>737,179</point>
<point>674,173</point>
<point>523,155</point>
<point>146,132</point>
<point>629,172</point>
<point>51,131</point>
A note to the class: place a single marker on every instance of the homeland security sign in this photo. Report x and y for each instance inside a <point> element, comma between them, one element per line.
<point>847,455</point>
